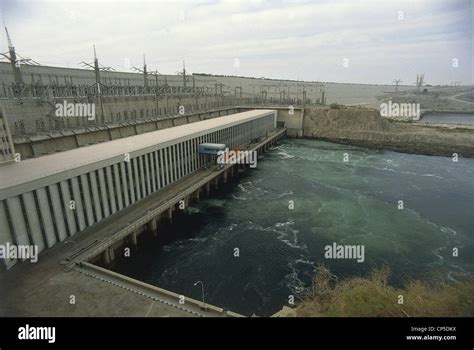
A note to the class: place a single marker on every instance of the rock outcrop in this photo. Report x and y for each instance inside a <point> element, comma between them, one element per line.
<point>365,127</point>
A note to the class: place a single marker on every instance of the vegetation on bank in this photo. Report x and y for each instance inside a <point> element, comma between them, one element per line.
<point>374,297</point>
<point>335,106</point>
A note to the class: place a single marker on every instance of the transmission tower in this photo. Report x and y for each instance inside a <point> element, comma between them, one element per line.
<point>420,80</point>
<point>146,72</point>
<point>16,60</point>
<point>397,81</point>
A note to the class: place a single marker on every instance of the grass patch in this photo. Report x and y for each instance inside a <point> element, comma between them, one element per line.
<point>372,296</point>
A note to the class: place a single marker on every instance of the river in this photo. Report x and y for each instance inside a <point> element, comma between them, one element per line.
<point>449,118</point>
<point>251,251</point>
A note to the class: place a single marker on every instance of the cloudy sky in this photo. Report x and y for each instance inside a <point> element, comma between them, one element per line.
<point>327,40</point>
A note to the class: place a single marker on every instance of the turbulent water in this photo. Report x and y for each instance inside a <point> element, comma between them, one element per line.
<point>352,203</point>
<point>449,118</point>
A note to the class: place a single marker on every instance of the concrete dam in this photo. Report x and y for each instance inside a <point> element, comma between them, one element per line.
<point>79,192</point>
<point>46,199</point>
<point>101,198</point>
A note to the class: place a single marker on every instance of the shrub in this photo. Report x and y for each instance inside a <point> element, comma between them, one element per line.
<point>374,297</point>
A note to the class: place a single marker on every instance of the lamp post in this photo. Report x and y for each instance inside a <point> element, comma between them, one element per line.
<point>202,290</point>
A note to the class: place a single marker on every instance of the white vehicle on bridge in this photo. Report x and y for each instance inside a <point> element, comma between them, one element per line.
<point>209,150</point>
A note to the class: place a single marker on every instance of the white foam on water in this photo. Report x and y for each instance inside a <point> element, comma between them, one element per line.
<point>288,235</point>
<point>242,186</point>
<point>286,193</point>
<point>407,172</point>
<point>285,155</point>
<point>197,239</point>
<point>292,279</point>
<point>193,210</point>
<point>240,198</point>
<point>437,253</point>
<point>433,175</point>
<point>448,230</point>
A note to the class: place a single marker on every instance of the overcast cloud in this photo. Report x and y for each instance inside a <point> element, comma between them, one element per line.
<point>382,40</point>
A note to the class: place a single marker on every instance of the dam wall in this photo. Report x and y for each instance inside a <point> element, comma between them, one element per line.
<point>58,141</point>
<point>31,116</point>
<point>44,200</point>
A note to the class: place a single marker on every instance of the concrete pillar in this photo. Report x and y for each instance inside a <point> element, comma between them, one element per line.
<point>18,221</point>
<point>216,183</point>
<point>5,234</point>
<point>131,185</point>
<point>189,151</point>
<point>196,194</point>
<point>33,220</point>
<point>46,218</point>
<point>184,157</point>
<point>170,155</point>
<point>71,220</point>
<point>133,239</point>
<point>136,176</point>
<point>110,188</point>
<point>147,174</point>
<point>193,153</point>
<point>224,176</point>
<point>208,189</point>
<point>170,215</point>
<point>142,176</point>
<point>123,185</point>
<point>167,169</point>
<point>79,208</point>
<point>178,160</point>
<point>109,256</point>
<point>152,225</point>
<point>87,199</point>
<point>174,170</point>
<point>118,186</point>
<point>95,195</point>
<point>158,170</point>
<point>151,170</point>
<point>57,211</point>
<point>161,164</point>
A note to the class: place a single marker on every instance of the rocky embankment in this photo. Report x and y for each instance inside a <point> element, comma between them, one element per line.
<point>365,127</point>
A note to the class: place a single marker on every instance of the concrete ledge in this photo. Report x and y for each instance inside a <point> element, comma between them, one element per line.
<point>160,291</point>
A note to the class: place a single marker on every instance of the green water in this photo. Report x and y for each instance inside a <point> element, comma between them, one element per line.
<point>351,203</point>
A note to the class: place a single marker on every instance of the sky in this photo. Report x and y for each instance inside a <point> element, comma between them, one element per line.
<point>340,41</point>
